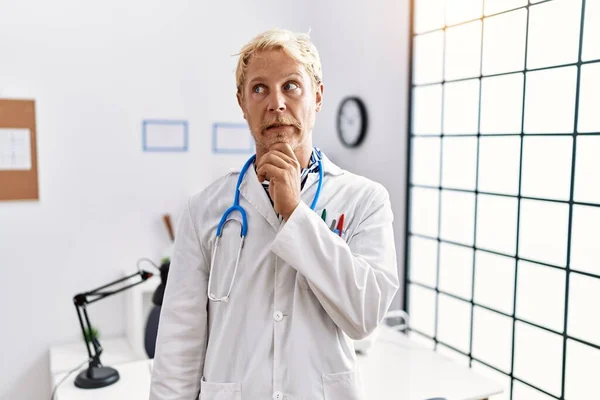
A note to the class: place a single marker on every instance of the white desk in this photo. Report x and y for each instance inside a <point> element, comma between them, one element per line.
<point>396,368</point>
<point>133,384</point>
<point>65,357</point>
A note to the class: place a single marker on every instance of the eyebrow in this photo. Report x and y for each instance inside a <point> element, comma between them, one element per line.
<point>264,78</point>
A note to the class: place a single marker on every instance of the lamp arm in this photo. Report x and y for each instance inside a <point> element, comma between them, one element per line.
<point>81,301</point>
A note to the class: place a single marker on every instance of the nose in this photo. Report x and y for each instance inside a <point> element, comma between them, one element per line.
<point>276,101</point>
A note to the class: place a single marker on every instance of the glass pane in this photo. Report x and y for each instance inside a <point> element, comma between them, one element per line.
<point>524,392</point>
<point>584,297</point>
<point>502,104</point>
<point>453,355</point>
<point>429,58</point>
<point>492,338</point>
<point>429,15</point>
<point>499,164</point>
<point>589,98</point>
<point>458,11</point>
<point>461,107</point>
<point>587,170</point>
<point>532,345</point>
<point>543,234</point>
<point>541,295</point>
<point>497,224</point>
<point>423,261</point>
<point>547,167</point>
<point>494,281</point>
<point>585,239</point>
<point>427,110</point>
<point>583,364</point>
<point>425,159</point>
<point>463,51</point>
<point>553,33</point>
<point>504,42</point>
<point>496,6</point>
<point>424,211</point>
<point>498,377</point>
<point>456,270</point>
<point>591,31</point>
<point>421,303</point>
<point>458,210</point>
<point>459,163</point>
<point>454,322</point>
<point>550,100</point>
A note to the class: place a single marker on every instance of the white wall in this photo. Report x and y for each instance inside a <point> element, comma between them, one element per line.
<point>96,71</point>
<point>364,49</point>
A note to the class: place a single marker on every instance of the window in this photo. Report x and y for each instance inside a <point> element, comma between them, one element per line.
<point>503,231</point>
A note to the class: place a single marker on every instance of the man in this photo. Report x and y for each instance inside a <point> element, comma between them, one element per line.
<point>280,325</point>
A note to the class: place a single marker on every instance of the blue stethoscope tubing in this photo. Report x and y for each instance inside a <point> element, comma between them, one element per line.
<point>244,226</point>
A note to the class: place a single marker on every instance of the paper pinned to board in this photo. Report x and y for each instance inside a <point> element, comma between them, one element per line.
<point>15,149</point>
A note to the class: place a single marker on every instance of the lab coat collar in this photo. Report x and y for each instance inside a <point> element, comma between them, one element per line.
<point>254,192</point>
<point>329,167</point>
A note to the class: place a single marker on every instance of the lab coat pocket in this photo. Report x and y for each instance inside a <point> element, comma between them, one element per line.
<point>332,220</point>
<point>220,391</point>
<point>342,386</point>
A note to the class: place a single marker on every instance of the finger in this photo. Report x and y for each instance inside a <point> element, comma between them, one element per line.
<point>278,159</point>
<point>268,171</point>
<point>284,148</point>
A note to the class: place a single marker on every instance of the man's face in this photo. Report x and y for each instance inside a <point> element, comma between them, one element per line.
<point>278,100</point>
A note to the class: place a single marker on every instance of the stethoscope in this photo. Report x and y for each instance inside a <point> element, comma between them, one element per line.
<point>244,226</point>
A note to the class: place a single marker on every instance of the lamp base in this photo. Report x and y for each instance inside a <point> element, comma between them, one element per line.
<point>96,377</point>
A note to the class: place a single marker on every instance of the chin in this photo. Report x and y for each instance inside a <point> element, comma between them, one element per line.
<point>270,138</point>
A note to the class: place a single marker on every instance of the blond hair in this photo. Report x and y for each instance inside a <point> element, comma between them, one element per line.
<point>295,45</point>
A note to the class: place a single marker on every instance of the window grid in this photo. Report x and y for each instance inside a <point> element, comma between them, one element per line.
<point>498,253</point>
<point>575,64</point>
<point>571,203</point>
<point>511,196</point>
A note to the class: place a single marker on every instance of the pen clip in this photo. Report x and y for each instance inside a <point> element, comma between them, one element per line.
<point>332,227</point>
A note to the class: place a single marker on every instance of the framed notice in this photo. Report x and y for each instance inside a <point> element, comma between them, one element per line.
<point>18,155</point>
<point>232,138</point>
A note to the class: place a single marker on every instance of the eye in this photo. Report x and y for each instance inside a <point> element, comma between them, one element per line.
<point>258,89</point>
<point>291,86</point>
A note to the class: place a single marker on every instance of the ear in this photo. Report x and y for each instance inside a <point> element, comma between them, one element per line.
<point>241,103</point>
<point>319,97</point>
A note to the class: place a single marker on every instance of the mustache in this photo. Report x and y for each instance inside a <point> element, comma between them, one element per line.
<point>281,120</point>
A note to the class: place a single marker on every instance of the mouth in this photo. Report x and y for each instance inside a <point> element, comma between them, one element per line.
<point>278,126</point>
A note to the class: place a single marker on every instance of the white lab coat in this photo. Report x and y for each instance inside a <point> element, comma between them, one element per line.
<point>300,295</point>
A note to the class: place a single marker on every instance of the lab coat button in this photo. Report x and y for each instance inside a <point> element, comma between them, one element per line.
<point>277,396</point>
<point>277,316</point>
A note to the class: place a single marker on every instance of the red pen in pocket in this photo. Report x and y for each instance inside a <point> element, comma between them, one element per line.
<point>340,226</point>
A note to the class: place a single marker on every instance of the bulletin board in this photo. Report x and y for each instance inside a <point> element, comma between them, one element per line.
<point>18,155</point>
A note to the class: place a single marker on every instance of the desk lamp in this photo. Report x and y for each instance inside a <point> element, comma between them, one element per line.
<point>97,375</point>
